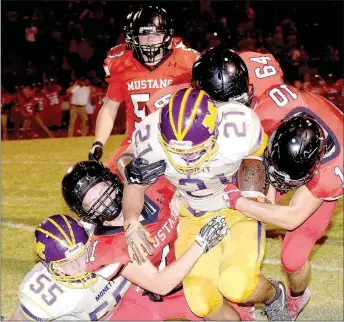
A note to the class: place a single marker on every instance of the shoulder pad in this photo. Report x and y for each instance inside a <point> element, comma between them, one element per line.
<point>116,51</point>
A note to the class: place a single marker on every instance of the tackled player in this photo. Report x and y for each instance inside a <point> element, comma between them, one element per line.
<point>203,147</point>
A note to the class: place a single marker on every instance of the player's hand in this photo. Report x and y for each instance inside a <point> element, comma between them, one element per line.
<point>211,233</point>
<point>176,203</point>
<point>140,171</point>
<point>138,240</point>
<point>96,152</point>
<point>231,195</point>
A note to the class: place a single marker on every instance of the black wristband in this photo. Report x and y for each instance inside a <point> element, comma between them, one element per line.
<point>97,143</point>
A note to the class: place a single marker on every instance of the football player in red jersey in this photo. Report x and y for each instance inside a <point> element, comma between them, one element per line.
<point>295,161</point>
<point>39,98</point>
<point>277,103</point>
<point>52,115</point>
<point>262,71</point>
<point>134,75</point>
<point>95,194</point>
<point>27,108</point>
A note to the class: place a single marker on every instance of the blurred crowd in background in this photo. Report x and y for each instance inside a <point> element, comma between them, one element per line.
<point>49,47</point>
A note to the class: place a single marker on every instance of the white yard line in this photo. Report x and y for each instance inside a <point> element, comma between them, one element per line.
<point>11,224</point>
<point>269,261</point>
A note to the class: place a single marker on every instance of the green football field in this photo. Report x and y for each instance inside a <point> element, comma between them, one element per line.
<point>31,177</point>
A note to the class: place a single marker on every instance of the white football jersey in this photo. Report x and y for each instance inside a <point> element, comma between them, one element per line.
<point>240,134</point>
<point>41,298</point>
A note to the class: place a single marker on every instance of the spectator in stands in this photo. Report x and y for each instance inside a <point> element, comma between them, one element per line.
<point>80,94</point>
<point>67,39</point>
<point>30,38</point>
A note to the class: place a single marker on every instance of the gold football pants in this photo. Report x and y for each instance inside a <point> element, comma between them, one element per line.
<point>230,269</point>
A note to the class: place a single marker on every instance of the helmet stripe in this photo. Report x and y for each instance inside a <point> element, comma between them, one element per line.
<point>70,229</point>
<point>181,113</point>
<point>193,113</point>
<point>48,233</point>
<point>170,107</point>
<point>61,231</point>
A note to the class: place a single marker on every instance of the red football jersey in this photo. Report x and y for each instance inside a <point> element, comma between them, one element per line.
<point>53,96</point>
<point>162,97</point>
<point>135,83</point>
<point>283,101</point>
<point>25,107</point>
<point>40,102</point>
<point>107,253</point>
<point>264,71</point>
<point>52,114</point>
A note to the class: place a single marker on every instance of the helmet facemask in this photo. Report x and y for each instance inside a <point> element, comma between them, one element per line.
<point>93,192</point>
<point>102,202</point>
<point>294,152</point>
<point>196,157</point>
<point>151,44</point>
<point>72,269</point>
<point>188,130</point>
<point>280,180</point>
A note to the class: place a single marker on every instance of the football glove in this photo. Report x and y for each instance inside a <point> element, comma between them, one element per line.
<point>231,195</point>
<point>137,236</point>
<point>139,171</point>
<point>211,233</point>
<point>96,152</point>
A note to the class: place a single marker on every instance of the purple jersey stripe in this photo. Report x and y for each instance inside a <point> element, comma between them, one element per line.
<point>196,213</point>
<point>116,293</point>
<point>30,315</point>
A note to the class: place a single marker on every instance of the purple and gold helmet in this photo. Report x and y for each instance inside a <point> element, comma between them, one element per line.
<point>188,128</point>
<point>61,244</point>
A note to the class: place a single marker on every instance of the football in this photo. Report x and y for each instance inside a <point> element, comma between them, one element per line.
<point>251,176</point>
